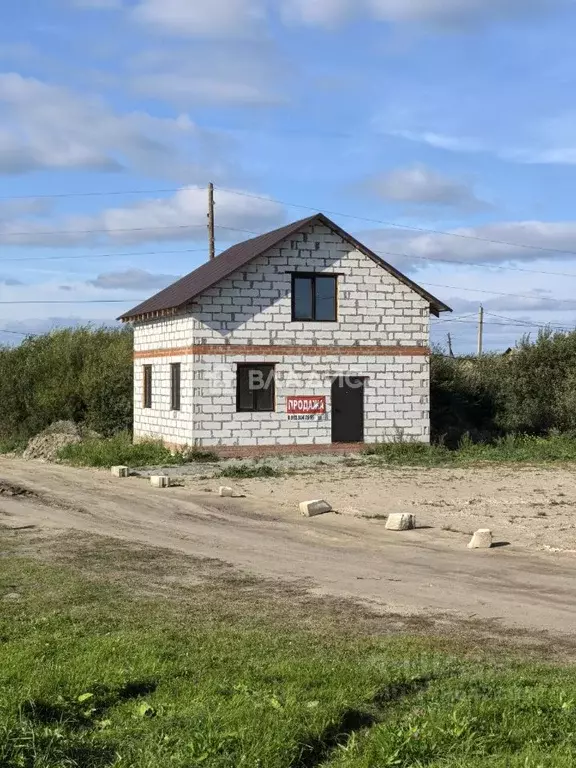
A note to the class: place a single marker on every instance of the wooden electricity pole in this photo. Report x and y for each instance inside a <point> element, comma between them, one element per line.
<point>211,238</point>
<point>450,350</point>
<point>480,331</point>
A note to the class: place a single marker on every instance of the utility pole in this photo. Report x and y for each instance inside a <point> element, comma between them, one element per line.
<point>450,350</point>
<point>211,238</point>
<point>480,331</point>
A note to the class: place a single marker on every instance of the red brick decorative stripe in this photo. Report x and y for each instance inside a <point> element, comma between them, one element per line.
<point>256,350</point>
<point>257,451</point>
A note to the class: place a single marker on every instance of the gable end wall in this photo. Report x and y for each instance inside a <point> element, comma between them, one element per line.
<point>252,308</point>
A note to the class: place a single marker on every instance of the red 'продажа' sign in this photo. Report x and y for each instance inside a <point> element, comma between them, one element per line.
<point>306,404</point>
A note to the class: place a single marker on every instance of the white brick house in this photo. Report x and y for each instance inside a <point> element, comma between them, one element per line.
<point>301,338</point>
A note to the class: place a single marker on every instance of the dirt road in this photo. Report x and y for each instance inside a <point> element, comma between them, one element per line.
<point>427,571</point>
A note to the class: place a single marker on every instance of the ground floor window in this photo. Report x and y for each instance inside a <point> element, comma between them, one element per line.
<point>255,390</point>
<point>147,375</point>
<point>175,369</point>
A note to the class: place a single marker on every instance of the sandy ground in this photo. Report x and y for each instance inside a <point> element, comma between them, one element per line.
<point>532,508</point>
<point>428,571</point>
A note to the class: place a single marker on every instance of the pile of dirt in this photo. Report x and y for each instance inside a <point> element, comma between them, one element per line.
<point>59,434</point>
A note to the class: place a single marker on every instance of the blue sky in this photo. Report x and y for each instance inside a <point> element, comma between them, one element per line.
<point>436,116</point>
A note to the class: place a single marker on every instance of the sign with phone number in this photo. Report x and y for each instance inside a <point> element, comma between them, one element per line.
<point>306,405</point>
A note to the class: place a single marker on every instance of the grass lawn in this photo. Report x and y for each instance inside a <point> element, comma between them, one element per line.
<point>103,663</point>
<point>106,452</point>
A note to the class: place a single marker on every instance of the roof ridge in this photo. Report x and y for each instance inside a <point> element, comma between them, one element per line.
<point>188,287</point>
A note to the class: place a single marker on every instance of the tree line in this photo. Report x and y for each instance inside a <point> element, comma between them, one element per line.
<point>85,375</point>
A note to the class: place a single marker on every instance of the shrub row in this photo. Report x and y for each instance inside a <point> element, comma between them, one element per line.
<point>85,375</point>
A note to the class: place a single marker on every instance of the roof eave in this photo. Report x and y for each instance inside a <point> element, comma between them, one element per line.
<point>436,306</point>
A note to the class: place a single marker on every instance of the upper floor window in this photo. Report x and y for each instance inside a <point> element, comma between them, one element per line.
<point>314,297</point>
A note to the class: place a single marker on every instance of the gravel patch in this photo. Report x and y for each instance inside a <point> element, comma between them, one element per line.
<point>288,464</point>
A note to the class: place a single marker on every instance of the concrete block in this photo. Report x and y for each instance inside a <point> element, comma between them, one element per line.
<point>313,508</point>
<point>119,471</point>
<point>226,491</point>
<point>482,539</point>
<point>401,522</point>
<point>353,512</point>
<point>160,481</point>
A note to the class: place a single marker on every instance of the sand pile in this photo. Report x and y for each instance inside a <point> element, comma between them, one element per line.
<point>46,444</point>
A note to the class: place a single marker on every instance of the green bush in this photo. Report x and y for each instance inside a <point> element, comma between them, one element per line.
<point>531,391</point>
<point>407,454</point>
<point>510,448</point>
<point>120,450</point>
<point>82,374</point>
<point>247,471</point>
<point>86,375</point>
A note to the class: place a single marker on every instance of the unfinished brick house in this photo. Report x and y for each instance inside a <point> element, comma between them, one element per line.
<point>300,339</point>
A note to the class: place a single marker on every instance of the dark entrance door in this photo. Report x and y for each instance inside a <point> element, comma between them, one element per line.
<point>348,410</point>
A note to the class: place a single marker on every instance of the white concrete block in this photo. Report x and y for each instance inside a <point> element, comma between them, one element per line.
<point>226,491</point>
<point>482,539</point>
<point>160,481</point>
<point>353,512</point>
<point>313,508</point>
<point>119,471</point>
<point>401,522</point>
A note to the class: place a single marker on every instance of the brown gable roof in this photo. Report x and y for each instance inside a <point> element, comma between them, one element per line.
<point>190,286</point>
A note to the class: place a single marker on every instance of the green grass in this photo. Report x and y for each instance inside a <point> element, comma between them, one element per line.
<point>512,448</point>
<point>120,450</point>
<point>246,471</point>
<point>12,444</point>
<point>227,675</point>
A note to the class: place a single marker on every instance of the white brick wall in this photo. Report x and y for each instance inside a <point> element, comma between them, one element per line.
<point>393,407</point>
<point>159,421</point>
<point>253,307</point>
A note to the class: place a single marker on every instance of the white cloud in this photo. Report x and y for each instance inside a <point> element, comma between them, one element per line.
<point>200,18</point>
<point>440,140</point>
<point>421,185</point>
<point>440,13</point>
<point>240,18</point>
<point>537,141</point>
<point>181,217</point>
<point>45,126</point>
<point>536,300</point>
<point>231,73</point>
<point>470,244</point>
<point>132,279</point>
<point>30,206</point>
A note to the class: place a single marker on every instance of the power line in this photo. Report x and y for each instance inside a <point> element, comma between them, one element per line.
<point>475,323</point>
<point>431,260</point>
<point>498,293</point>
<point>392,224</point>
<point>402,226</point>
<point>519,321</point>
<point>455,319</point>
<point>96,231</point>
<point>439,285</point>
<point>97,193</point>
<point>102,255</point>
<point>78,301</point>
<point>512,323</point>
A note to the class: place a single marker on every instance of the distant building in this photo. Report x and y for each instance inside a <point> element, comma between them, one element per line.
<point>301,339</point>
